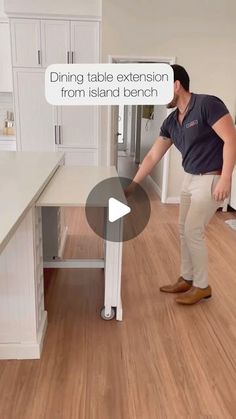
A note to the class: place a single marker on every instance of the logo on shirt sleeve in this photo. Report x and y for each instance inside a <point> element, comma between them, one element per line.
<point>192,124</point>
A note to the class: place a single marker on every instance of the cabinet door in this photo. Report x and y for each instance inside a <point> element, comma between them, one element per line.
<point>85,42</point>
<point>55,37</point>
<point>25,37</point>
<point>34,116</point>
<point>5,59</point>
<point>78,126</point>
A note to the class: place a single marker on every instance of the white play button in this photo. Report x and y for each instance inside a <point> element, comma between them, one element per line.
<point>106,209</point>
<point>116,209</point>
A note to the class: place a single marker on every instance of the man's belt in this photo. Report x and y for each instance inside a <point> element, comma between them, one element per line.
<point>215,172</point>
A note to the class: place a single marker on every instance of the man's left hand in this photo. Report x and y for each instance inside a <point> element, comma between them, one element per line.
<point>222,189</point>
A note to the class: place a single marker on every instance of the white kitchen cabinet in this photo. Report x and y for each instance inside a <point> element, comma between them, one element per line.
<point>43,127</point>
<point>232,201</point>
<point>26,43</point>
<point>35,118</point>
<point>39,43</point>
<point>55,42</point>
<point>78,126</point>
<point>84,42</point>
<point>5,58</point>
<point>23,318</point>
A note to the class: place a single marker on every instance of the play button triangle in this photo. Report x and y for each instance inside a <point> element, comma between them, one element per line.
<point>116,210</point>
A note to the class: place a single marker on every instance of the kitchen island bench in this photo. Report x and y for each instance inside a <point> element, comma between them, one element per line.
<point>23,319</point>
<point>29,182</point>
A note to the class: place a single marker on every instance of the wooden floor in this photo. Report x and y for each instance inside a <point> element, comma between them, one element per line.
<point>163,361</point>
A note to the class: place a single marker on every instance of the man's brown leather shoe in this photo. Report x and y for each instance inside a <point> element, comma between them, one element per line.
<point>180,286</point>
<point>194,295</point>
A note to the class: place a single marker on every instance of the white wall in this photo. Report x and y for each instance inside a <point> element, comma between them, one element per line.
<point>176,174</point>
<point>202,37</point>
<point>68,7</point>
<point>150,131</point>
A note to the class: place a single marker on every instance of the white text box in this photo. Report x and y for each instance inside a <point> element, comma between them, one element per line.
<point>109,84</point>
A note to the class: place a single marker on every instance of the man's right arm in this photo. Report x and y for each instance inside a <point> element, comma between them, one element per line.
<point>153,157</point>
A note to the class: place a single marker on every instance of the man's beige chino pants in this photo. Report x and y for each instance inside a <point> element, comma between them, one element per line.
<point>197,207</point>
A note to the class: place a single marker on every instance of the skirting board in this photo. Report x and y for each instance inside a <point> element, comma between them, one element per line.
<point>25,350</point>
<point>170,200</point>
<point>173,200</point>
<point>154,185</point>
<point>176,199</point>
<point>231,223</point>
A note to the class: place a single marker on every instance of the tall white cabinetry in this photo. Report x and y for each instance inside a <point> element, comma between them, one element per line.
<point>37,43</point>
<point>5,58</point>
<point>35,118</point>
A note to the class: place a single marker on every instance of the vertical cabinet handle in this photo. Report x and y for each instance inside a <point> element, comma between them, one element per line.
<point>57,138</point>
<point>55,134</point>
<point>68,57</point>
<point>59,128</point>
<point>72,57</point>
<point>39,56</point>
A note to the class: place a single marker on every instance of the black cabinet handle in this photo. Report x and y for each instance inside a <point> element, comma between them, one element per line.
<point>39,57</point>
<point>55,134</point>
<point>59,128</point>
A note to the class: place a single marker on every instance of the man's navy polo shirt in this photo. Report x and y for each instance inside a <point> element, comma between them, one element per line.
<point>200,146</point>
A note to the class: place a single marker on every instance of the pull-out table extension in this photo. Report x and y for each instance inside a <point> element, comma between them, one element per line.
<point>30,182</point>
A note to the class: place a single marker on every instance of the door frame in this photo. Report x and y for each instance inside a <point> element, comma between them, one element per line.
<point>111,117</point>
<point>123,146</point>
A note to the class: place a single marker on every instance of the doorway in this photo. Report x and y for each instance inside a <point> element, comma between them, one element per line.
<point>122,129</point>
<point>127,163</point>
<point>125,147</point>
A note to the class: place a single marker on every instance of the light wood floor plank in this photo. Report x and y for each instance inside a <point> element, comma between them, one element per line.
<point>163,361</point>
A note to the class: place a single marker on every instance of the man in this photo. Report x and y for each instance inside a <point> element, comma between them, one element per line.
<point>203,130</point>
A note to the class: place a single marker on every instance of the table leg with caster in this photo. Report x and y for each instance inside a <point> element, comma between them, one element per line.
<point>112,272</point>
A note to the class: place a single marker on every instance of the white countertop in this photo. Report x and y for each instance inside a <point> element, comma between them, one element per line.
<point>23,176</point>
<point>71,185</point>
